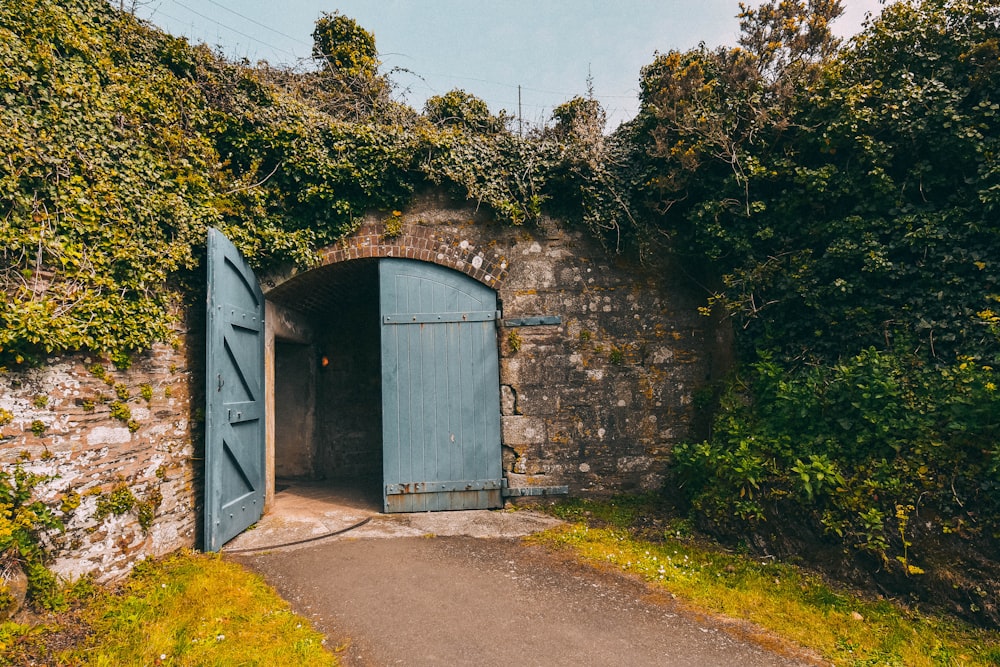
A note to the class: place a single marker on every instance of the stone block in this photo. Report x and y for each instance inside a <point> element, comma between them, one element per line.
<point>523,430</point>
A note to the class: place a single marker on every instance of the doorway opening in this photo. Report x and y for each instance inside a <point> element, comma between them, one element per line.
<point>380,374</point>
<point>384,378</point>
<point>327,424</point>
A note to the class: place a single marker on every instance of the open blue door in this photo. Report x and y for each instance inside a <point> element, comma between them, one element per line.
<point>440,389</point>
<point>234,395</point>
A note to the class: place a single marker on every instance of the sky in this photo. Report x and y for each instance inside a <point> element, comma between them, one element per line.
<point>522,56</point>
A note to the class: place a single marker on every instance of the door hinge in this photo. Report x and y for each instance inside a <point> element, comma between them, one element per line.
<point>522,491</point>
<point>543,320</point>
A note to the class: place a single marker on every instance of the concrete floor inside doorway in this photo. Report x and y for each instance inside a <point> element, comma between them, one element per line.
<point>305,512</point>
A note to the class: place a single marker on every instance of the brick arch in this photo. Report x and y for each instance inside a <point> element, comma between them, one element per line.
<point>424,243</point>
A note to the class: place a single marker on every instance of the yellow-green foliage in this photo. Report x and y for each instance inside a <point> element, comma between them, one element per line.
<point>192,609</point>
<point>22,522</point>
<point>119,501</point>
<point>800,607</point>
<point>393,225</point>
<point>120,411</point>
<point>86,124</point>
<point>122,144</point>
<point>514,340</point>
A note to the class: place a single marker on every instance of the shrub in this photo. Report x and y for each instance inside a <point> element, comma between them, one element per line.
<point>853,450</point>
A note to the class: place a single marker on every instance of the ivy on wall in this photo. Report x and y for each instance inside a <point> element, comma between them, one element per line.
<point>838,204</point>
<point>93,217</point>
<point>124,144</point>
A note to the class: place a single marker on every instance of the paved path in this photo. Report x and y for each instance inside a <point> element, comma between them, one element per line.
<point>445,598</point>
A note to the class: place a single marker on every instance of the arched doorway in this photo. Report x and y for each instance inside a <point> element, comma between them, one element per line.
<point>385,374</point>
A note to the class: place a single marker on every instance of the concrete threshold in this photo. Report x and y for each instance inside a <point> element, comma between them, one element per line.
<point>306,512</point>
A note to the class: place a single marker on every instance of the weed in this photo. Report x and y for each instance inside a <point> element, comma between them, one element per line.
<point>120,501</point>
<point>145,513</point>
<point>98,371</point>
<point>120,411</point>
<point>40,400</point>
<point>38,427</point>
<point>22,523</point>
<point>122,360</point>
<point>146,391</point>
<point>121,391</point>
<point>70,502</point>
<point>393,225</point>
<point>514,340</point>
<point>903,519</point>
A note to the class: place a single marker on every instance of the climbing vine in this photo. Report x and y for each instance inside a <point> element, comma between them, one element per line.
<point>123,144</point>
<point>837,205</point>
<point>23,523</point>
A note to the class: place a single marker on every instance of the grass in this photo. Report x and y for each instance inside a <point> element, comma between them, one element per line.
<point>196,609</point>
<point>842,627</point>
<point>187,609</point>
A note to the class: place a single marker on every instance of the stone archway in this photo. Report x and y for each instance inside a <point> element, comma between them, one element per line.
<point>319,345</point>
<point>415,240</point>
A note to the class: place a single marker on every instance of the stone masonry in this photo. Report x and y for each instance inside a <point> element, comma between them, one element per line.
<point>122,443</point>
<point>595,402</point>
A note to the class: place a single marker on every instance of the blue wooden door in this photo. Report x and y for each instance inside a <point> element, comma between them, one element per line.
<point>234,414</point>
<point>440,389</point>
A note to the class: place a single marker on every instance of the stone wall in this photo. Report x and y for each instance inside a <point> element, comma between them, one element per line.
<point>123,441</point>
<point>595,402</point>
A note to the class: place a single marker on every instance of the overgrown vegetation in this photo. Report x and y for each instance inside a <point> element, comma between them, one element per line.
<point>123,144</point>
<point>838,624</point>
<point>846,202</point>
<point>186,609</point>
<point>23,522</point>
<point>837,202</point>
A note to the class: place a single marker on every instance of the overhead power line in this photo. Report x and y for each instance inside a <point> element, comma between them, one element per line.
<point>297,40</point>
<point>511,86</point>
<point>234,30</point>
